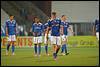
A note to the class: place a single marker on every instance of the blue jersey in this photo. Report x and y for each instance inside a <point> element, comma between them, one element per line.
<point>97,25</point>
<point>55,27</point>
<point>45,25</point>
<point>65,27</point>
<point>11,26</point>
<point>37,28</point>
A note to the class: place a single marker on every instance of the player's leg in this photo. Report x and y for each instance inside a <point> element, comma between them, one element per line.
<point>13,43</point>
<point>53,42</point>
<point>63,45</point>
<point>13,47</point>
<point>58,44</point>
<point>8,45</point>
<point>97,35</point>
<point>39,49</point>
<point>66,46</point>
<point>40,40</point>
<point>46,45</point>
<point>35,46</point>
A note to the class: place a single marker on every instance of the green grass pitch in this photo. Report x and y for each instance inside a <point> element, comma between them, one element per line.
<point>88,56</point>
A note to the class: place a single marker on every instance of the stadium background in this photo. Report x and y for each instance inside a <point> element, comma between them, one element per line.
<point>81,16</point>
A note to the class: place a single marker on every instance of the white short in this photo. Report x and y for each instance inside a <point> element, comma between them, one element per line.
<point>45,39</point>
<point>64,37</point>
<point>11,38</point>
<point>56,40</point>
<point>97,35</point>
<point>37,39</point>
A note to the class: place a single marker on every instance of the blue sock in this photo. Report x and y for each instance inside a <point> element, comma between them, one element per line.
<point>55,55</point>
<point>39,49</point>
<point>13,47</point>
<point>62,49</point>
<point>46,48</point>
<point>65,47</point>
<point>8,47</point>
<point>35,47</point>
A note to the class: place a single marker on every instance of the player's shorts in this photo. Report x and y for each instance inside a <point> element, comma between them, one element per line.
<point>45,39</point>
<point>97,35</point>
<point>37,40</point>
<point>11,38</point>
<point>64,37</point>
<point>56,40</point>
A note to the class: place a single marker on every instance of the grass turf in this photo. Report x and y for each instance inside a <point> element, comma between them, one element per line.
<point>25,57</point>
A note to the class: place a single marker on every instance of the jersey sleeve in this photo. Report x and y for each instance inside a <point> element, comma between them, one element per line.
<point>15,27</point>
<point>49,23</point>
<point>61,24</point>
<point>68,24</point>
<point>6,24</point>
<point>42,26</point>
<point>32,27</point>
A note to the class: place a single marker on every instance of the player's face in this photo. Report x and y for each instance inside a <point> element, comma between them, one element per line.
<point>11,17</point>
<point>53,16</point>
<point>36,20</point>
<point>65,17</point>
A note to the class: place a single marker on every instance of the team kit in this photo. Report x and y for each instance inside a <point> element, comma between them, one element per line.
<point>54,31</point>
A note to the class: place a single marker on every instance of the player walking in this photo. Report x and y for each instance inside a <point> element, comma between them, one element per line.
<point>54,24</point>
<point>11,33</point>
<point>37,29</point>
<point>64,37</point>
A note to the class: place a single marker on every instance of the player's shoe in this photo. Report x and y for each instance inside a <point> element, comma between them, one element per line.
<point>13,53</point>
<point>47,54</point>
<point>39,55</point>
<point>55,59</point>
<point>67,53</point>
<point>35,55</point>
<point>6,52</point>
<point>63,54</point>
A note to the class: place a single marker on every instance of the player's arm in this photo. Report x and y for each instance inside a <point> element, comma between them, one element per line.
<point>15,28</point>
<point>33,29</point>
<point>70,29</point>
<point>61,30</point>
<point>48,29</point>
<point>6,29</point>
<point>94,29</point>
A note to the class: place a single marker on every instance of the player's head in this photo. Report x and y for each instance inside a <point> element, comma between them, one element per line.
<point>11,17</point>
<point>64,17</point>
<point>53,15</point>
<point>36,19</point>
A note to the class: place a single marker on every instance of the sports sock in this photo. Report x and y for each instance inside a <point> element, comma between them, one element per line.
<point>8,47</point>
<point>46,48</point>
<point>39,48</point>
<point>13,48</point>
<point>62,49</point>
<point>35,47</point>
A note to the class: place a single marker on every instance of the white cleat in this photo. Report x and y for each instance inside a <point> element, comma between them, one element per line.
<point>6,52</point>
<point>63,54</point>
<point>55,59</point>
<point>35,55</point>
<point>39,55</point>
<point>48,54</point>
<point>13,54</point>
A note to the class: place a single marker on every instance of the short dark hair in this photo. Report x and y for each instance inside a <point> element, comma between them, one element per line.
<point>11,15</point>
<point>62,15</point>
<point>53,13</point>
<point>35,17</point>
